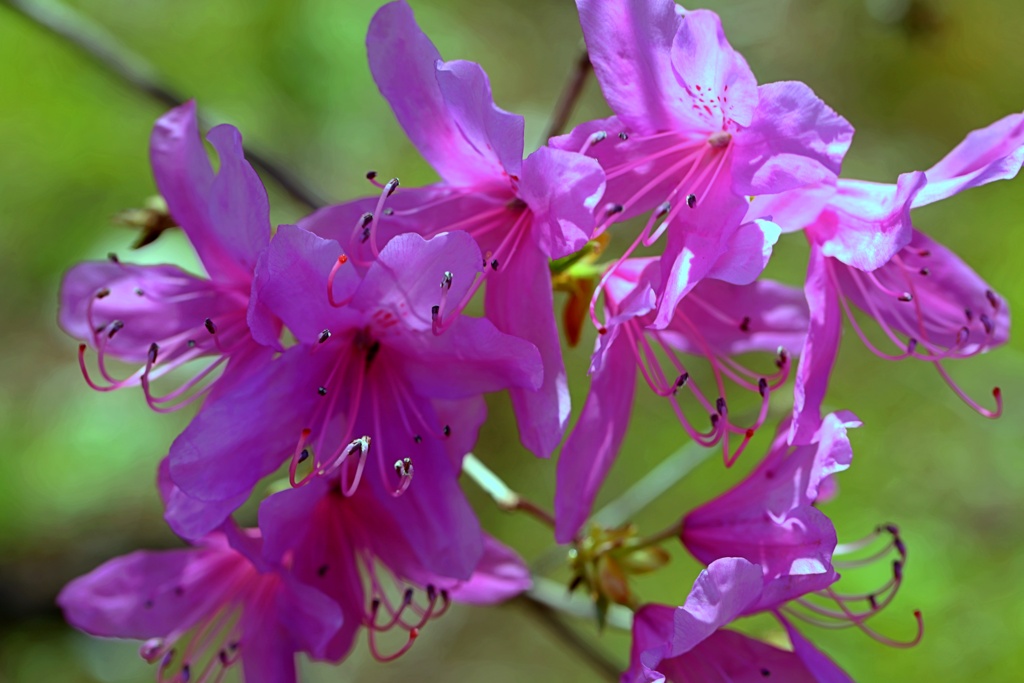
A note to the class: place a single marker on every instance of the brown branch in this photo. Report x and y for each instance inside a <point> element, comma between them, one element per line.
<point>132,69</point>
<point>570,96</point>
<point>594,656</point>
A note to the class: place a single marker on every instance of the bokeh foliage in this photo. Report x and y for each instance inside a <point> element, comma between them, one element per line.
<point>76,482</point>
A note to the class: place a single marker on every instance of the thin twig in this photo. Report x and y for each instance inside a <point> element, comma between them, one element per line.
<point>592,655</point>
<point>499,491</point>
<point>556,596</point>
<point>103,48</point>
<point>570,96</point>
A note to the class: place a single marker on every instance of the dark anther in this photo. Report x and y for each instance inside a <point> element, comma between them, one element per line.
<point>113,257</point>
<point>986,322</point>
<point>494,264</point>
<point>370,175</point>
<point>431,592</point>
<point>191,343</point>
<point>762,386</point>
<point>906,296</point>
<point>873,601</point>
<point>391,186</point>
<point>765,672</point>
<point>446,280</point>
<point>115,327</point>
<point>322,391</point>
<point>714,419</point>
<point>745,324</point>
<point>897,570</point>
<point>691,200</point>
<point>321,570</point>
<point>372,352</point>
<point>103,293</point>
<point>598,137</point>
<point>375,606</point>
<point>900,548</point>
<point>154,349</point>
<point>148,604</point>
<point>304,455</point>
<point>138,291</point>
<point>781,358</point>
<point>613,209</point>
<point>365,219</point>
<point>911,345</point>
<point>434,312</point>
<point>924,252</point>
<point>186,673</point>
<point>969,314</point>
<point>663,209</point>
<point>407,597</point>
<point>223,656</point>
<point>623,135</point>
<point>210,327</point>
<point>389,212</point>
<point>681,381</point>
<point>417,439</point>
<point>720,406</point>
<point>992,300</point>
<point>324,336</point>
<point>892,529</point>
<point>447,430</point>
<point>925,272</point>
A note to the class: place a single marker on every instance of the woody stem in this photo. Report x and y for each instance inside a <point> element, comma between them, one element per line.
<point>500,492</point>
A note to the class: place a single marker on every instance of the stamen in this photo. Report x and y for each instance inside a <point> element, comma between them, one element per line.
<point>691,200</point>
<point>324,336</point>
<point>210,327</point>
<point>342,260</point>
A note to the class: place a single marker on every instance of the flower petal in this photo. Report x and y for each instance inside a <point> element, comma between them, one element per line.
<point>731,657</point>
<point>500,575</point>
<point>821,667</point>
<point>794,140</point>
<point>747,253</point>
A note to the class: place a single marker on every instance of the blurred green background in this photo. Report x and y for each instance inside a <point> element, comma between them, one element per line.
<point>76,479</point>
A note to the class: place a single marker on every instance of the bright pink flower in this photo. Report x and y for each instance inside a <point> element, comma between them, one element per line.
<point>865,251</point>
<point>694,135</point>
<point>715,322</point>
<point>521,212</point>
<point>688,644</point>
<point>367,365</point>
<point>160,316</point>
<point>205,608</point>
<point>365,552</point>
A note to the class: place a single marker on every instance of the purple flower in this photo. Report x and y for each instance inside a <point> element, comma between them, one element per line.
<point>160,316</point>
<point>865,253</point>
<point>694,135</point>
<point>521,212</point>
<point>689,643</point>
<point>365,553</point>
<point>770,519</point>
<point>369,389</point>
<point>715,322</point>
<point>203,609</point>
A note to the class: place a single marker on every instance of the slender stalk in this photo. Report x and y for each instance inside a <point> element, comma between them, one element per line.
<point>594,656</point>
<point>569,97</point>
<point>499,491</point>
<point>132,69</point>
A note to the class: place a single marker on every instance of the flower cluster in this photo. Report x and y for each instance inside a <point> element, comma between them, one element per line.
<point>335,365</point>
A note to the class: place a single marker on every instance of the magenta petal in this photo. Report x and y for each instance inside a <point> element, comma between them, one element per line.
<point>405,282</point>
<point>719,84</point>
<point>247,433</point>
<point>500,575</point>
<point>630,45</point>
<point>793,210</point>
<point>451,128</point>
<point>995,152</point>
<point>747,253</point>
<point>775,315</point>
<point>794,140</point>
<point>820,349</point>
<point>594,442</point>
<point>731,657</point>
<point>866,223</point>
<point>148,594</point>
<point>291,282</point>
<point>264,660</point>
<point>471,358</point>
<point>188,517</point>
<point>562,189</point>
<point>238,200</point>
<point>821,667</point>
<point>542,411</point>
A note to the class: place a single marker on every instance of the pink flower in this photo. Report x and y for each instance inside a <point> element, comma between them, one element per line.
<point>368,369</point>
<point>203,609</point>
<point>866,253</point>
<point>160,316</point>
<point>694,135</point>
<point>715,322</point>
<point>521,212</point>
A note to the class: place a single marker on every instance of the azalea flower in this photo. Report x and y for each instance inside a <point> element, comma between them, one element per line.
<point>866,253</point>
<point>202,610</point>
<point>694,136</point>
<point>714,323</point>
<point>369,388</point>
<point>161,317</point>
<point>521,212</point>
